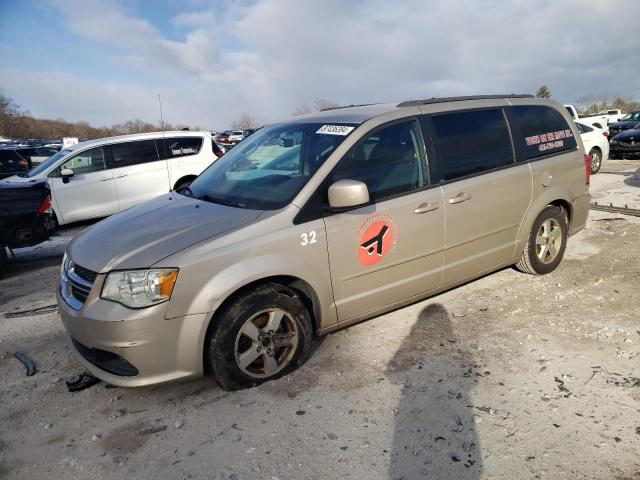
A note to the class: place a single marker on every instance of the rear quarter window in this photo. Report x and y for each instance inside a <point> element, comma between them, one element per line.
<point>471,142</point>
<point>541,131</point>
<point>180,146</point>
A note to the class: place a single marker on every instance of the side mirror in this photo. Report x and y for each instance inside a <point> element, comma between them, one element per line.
<point>66,174</point>
<point>348,193</point>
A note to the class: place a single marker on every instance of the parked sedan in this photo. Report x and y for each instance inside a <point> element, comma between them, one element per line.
<point>595,143</point>
<point>12,163</point>
<point>626,143</point>
<point>629,121</point>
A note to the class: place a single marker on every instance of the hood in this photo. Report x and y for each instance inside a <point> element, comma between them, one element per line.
<point>629,135</point>
<point>144,235</point>
<point>17,179</point>
<point>623,125</point>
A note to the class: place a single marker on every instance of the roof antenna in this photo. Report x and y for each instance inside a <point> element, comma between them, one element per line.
<point>164,146</point>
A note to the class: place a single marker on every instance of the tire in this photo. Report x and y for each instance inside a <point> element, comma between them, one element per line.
<point>242,351</point>
<point>596,160</point>
<point>182,184</point>
<point>537,260</point>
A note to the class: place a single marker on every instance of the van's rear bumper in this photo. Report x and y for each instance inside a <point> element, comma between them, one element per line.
<point>580,212</point>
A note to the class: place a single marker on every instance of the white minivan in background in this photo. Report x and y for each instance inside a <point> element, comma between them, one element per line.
<point>98,178</point>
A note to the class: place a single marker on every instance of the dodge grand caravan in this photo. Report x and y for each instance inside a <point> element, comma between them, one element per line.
<point>98,178</point>
<point>314,224</point>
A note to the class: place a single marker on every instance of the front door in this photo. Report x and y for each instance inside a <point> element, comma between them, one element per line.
<point>392,249</point>
<point>89,193</point>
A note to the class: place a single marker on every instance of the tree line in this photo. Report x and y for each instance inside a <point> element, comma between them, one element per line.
<point>17,123</point>
<point>596,103</point>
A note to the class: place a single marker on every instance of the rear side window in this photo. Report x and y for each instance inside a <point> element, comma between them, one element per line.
<point>541,131</point>
<point>133,153</point>
<point>9,161</point>
<point>471,142</point>
<point>180,146</point>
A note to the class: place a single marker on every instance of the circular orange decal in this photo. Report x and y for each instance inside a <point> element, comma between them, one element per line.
<point>375,242</point>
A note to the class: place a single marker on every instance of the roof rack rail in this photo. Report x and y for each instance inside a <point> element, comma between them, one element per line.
<point>414,103</point>
<point>347,106</point>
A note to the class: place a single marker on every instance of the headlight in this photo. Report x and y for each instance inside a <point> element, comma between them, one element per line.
<point>140,288</point>
<point>614,142</point>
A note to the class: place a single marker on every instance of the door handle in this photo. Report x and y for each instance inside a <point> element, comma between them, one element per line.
<point>461,197</point>
<point>122,176</point>
<point>106,179</point>
<point>427,207</point>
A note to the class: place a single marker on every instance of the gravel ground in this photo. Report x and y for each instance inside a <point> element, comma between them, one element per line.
<point>510,376</point>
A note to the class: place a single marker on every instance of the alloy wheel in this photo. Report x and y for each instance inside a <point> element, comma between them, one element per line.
<point>548,240</point>
<point>266,343</point>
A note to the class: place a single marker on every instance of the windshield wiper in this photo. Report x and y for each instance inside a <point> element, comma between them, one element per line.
<point>221,201</point>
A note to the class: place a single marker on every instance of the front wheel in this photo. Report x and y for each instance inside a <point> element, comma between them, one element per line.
<point>262,335</point>
<point>596,160</point>
<point>546,243</point>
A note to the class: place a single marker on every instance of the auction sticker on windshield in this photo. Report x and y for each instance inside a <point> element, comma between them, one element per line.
<point>335,130</point>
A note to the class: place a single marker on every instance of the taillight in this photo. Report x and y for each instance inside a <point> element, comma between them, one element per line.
<point>605,133</point>
<point>23,163</point>
<point>587,169</point>
<point>218,153</point>
<point>45,206</point>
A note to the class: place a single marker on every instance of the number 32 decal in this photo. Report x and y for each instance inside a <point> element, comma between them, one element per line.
<point>308,238</point>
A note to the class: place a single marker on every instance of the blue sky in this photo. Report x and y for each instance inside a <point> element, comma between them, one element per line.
<point>105,61</point>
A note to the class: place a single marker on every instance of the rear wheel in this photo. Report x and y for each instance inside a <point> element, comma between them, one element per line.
<point>596,160</point>
<point>260,336</point>
<point>546,243</point>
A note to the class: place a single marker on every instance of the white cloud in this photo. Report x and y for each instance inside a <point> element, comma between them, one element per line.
<point>285,52</point>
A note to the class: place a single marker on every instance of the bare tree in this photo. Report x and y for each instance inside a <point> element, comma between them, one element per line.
<point>301,110</point>
<point>245,121</point>
<point>11,117</point>
<point>323,104</point>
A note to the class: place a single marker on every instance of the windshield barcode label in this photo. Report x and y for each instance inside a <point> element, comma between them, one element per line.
<point>335,130</point>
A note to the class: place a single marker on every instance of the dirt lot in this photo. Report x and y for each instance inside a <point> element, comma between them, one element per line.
<point>510,376</point>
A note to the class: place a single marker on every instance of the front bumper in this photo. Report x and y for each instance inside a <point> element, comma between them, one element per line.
<point>624,148</point>
<point>138,347</point>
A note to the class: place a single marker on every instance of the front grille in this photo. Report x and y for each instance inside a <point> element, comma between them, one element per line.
<point>79,294</point>
<point>76,284</point>
<point>85,273</point>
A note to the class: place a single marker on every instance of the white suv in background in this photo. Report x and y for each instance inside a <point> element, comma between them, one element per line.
<point>98,178</point>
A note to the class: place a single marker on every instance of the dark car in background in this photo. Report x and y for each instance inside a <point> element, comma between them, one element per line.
<point>37,154</point>
<point>12,163</point>
<point>626,143</point>
<point>26,216</point>
<point>630,121</point>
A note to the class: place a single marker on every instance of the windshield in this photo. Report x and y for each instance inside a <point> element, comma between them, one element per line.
<point>630,116</point>
<point>265,171</point>
<point>46,164</point>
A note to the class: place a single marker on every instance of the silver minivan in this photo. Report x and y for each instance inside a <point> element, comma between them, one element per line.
<point>319,222</point>
<point>98,178</point>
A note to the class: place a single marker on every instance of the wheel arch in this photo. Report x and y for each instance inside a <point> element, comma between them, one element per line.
<point>185,178</point>
<point>557,198</point>
<point>302,288</point>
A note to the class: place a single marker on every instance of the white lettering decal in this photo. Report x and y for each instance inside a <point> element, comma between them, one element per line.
<point>335,130</point>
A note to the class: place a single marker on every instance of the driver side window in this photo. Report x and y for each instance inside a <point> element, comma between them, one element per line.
<point>390,161</point>
<point>86,162</point>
